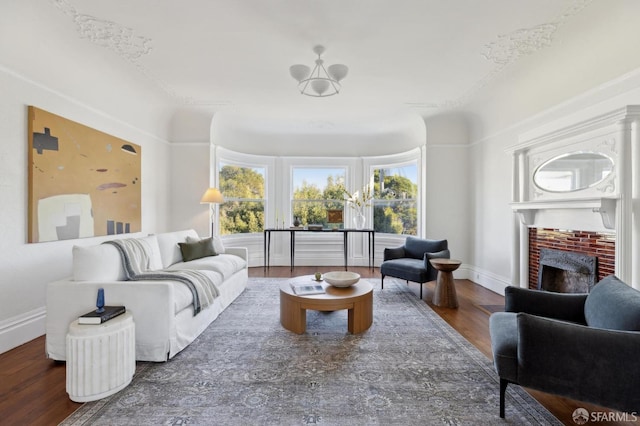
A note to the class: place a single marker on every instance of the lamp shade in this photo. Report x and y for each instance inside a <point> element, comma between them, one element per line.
<point>337,71</point>
<point>299,72</point>
<point>320,86</point>
<point>212,195</point>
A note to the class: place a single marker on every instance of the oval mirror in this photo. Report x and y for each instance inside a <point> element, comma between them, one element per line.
<point>573,172</point>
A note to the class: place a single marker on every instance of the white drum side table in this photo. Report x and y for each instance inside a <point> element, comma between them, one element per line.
<point>101,359</point>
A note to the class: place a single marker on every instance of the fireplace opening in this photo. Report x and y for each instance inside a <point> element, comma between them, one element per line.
<point>566,271</point>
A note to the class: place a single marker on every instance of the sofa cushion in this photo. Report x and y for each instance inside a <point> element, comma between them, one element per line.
<point>224,264</point>
<point>155,259</point>
<point>168,244</point>
<point>405,268</point>
<point>613,305</point>
<point>97,263</point>
<point>182,297</point>
<point>197,250</point>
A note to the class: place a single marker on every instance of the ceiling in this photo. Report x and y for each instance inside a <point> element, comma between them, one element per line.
<point>233,56</point>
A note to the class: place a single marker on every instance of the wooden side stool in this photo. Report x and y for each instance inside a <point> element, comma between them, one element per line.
<point>445,294</point>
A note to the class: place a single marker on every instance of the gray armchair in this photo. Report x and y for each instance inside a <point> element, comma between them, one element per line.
<point>581,346</point>
<point>410,261</point>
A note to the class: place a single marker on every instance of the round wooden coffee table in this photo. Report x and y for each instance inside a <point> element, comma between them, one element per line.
<point>357,299</point>
<point>445,293</point>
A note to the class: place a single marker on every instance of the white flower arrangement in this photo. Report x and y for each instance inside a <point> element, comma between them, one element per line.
<point>358,199</point>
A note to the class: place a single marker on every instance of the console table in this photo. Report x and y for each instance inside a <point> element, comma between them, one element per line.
<point>345,232</point>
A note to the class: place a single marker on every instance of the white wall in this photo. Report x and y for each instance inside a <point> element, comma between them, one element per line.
<point>447,186</point>
<point>26,268</point>
<point>190,165</point>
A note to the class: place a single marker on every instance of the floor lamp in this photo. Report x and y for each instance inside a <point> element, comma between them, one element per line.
<point>212,196</point>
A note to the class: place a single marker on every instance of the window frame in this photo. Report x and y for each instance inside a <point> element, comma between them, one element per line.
<point>413,157</point>
<point>233,158</point>
<point>279,180</point>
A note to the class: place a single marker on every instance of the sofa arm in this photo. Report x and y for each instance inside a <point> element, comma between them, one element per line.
<point>561,306</point>
<point>152,304</point>
<point>580,362</point>
<point>393,253</point>
<point>242,252</point>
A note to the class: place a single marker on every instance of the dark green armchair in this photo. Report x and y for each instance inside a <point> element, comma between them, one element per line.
<point>410,261</point>
<point>581,346</point>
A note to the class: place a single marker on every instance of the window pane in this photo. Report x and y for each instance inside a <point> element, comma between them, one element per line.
<point>238,182</point>
<point>395,205</point>
<point>243,190</point>
<point>316,190</point>
<point>237,217</point>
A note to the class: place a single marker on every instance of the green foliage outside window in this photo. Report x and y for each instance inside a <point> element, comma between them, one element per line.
<point>394,201</point>
<point>243,209</point>
<point>310,203</point>
<point>394,207</point>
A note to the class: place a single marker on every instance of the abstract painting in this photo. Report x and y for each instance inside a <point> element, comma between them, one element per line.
<point>82,182</point>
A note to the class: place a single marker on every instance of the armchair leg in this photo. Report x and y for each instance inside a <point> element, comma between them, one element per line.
<point>421,291</point>
<point>383,282</point>
<point>503,390</point>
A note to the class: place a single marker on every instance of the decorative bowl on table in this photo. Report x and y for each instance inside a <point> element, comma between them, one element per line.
<point>341,278</point>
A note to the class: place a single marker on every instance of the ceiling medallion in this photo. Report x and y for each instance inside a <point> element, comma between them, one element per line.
<point>525,41</point>
<point>109,34</point>
<point>321,82</point>
<point>509,47</point>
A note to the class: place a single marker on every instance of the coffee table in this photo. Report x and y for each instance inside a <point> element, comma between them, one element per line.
<point>357,299</point>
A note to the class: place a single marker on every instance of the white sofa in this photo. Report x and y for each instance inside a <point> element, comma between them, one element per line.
<point>162,310</point>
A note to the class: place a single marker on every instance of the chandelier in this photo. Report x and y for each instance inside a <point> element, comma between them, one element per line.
<point>320,82</point>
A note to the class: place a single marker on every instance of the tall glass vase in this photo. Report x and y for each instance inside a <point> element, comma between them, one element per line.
<point>359,219</point>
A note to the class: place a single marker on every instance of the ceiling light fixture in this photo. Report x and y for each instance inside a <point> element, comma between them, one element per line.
<point>320,82</point>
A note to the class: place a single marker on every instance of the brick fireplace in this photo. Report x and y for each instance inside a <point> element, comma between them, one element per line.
<point>555,188</point>
<point>602,246</point>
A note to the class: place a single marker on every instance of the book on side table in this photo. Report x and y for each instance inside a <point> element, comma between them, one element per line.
<point>95,317</point>
<point>304,289</point>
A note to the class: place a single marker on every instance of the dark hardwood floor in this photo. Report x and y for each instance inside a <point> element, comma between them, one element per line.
<point>32,387</point>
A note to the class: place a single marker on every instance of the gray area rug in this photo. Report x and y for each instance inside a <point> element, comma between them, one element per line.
<point>409,368</point>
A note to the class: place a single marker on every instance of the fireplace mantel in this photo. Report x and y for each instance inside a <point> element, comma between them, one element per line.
<point>613,135</point>
<point>605,206</point>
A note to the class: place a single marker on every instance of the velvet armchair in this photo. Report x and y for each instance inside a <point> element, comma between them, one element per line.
<point>581,346</point>
<point>410,261</point>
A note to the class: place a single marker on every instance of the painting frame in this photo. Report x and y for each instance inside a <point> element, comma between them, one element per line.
<point>335,216</point>
<point>81,182</point>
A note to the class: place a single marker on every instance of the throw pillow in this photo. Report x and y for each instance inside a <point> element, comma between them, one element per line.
<point>197,250</point>
<point>97,263</point>
<point>218,246</point>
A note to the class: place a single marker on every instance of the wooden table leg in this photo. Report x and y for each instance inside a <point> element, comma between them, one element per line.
<point>360,317</point>
<point>292,316</point>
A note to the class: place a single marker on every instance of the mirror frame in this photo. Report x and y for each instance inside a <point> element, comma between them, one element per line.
<point>561,156</point>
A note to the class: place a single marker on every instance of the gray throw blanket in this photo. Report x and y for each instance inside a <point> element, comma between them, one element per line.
<point>135,258</point>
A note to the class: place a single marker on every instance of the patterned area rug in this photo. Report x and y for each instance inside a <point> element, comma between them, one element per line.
<point>409,368</point>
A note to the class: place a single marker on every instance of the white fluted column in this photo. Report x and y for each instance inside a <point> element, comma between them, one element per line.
<point>101,359</point>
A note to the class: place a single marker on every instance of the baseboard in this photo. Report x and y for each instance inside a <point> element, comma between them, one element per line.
<point>486,279</point>
<point>22,329</point>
